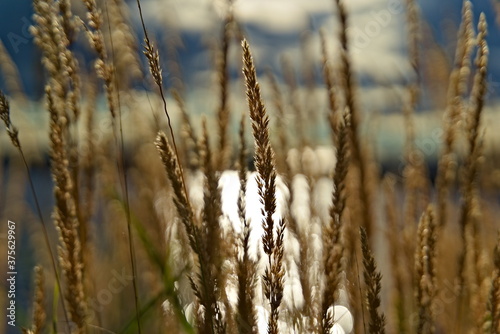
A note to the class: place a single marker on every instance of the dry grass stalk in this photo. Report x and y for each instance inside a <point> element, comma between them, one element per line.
<point>214,248</point>
<point>223,80</point>
<point>333,242</point>
<point>181,200</point>
<point>38,303</point>
<point>333,116</point>
<point>175,173</point>
<point>212,210</point>
<point>66,220</point>
<point>493,316</point>
<point>425,270</point>
<point>105,70</point>
<point>88,170</point>
<point>59,61</point>
<point>13,134</point>
<point>416,187</point>
<point>5,117</point>
<point>358,158</point>
<point>266,179</point>
<point>470,207</point>
<point>126,62</point>
<point>53,33</point>
<point>456,89</point>
<point>473,117</point>
<point>294,101</point>
<point>414,173</point>
<point>373,287</point>
<point>246,316</point>
<point>205,295</point>
<point>399,274</point>
<point>398,270</point>
<point>284,168</point>
<point>280,128</point>
<point>103,67</point>
<point>188,134</point>
<point>10,73</point>
<point>153,58</point>
<point>69,21</point>
<point>70,27</point>
<point>310,102</point>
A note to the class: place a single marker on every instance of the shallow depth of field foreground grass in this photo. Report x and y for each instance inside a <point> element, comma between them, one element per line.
<point>245,220</point>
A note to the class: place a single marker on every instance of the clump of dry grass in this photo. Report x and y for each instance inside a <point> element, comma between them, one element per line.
<point>456,89</point>
<point>14,137</point>
<point>66,220</point>
<point>205,285</point>
<point>305,262</point>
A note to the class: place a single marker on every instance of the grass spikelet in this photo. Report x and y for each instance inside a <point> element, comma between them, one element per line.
<point>332,236</point>
<point>425,270</point>
<point>373,287</point>
<point>264,162</point>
